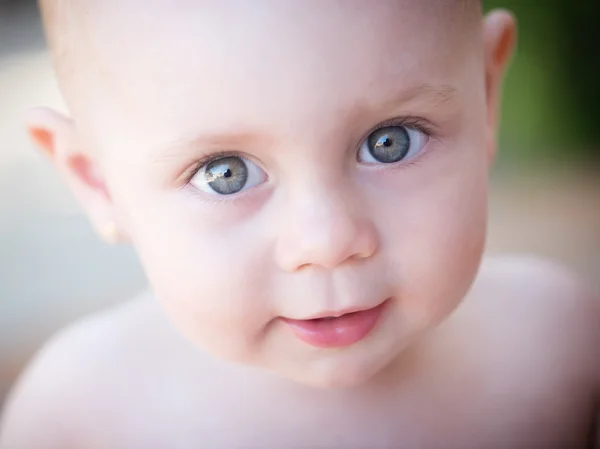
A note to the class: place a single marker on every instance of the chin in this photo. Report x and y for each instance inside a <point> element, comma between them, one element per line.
<point>339,374</point>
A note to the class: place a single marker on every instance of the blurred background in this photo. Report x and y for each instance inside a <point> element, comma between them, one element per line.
<point>545,196</point>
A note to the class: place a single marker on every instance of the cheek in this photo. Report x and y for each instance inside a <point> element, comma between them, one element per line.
<point>206,279</point>
<point>448,244</point>
<point>435,237</point>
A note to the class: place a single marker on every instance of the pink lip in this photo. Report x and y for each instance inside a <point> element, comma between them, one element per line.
<point>337,329</point>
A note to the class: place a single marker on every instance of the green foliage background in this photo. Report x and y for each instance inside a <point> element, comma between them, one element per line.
<point>551,105</point>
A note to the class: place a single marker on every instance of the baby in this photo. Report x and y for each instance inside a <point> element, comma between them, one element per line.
<point>305,184</point>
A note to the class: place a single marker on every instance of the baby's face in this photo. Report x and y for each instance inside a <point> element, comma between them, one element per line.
<point>276,161</point>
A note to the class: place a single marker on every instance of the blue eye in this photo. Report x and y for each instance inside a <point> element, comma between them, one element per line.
<point>228,175</point>
<point>391,144</point>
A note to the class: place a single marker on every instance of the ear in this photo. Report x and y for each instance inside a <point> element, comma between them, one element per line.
<point>499,35</point>
<point>56,137</point>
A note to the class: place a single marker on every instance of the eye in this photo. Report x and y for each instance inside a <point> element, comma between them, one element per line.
<point>228,175</point>
<point>391,144</point>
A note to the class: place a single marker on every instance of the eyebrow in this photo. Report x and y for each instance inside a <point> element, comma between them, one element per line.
<point>436,95</point>
<point>219,140</point>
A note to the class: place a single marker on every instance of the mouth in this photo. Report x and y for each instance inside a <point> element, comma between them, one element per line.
<point>335,330</point>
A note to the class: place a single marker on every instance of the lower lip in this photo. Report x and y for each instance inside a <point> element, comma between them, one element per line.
<point>337,332</point>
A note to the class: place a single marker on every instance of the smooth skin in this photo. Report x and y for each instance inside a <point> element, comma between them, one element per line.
<point>468,354</point>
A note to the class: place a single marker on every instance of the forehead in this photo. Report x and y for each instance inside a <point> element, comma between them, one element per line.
<point>185,63</point>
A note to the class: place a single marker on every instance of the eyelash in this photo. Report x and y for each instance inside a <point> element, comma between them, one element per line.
<point>416,123</point>
<point>409,121</point>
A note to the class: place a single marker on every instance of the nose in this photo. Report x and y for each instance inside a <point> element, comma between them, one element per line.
<point>324,231</point>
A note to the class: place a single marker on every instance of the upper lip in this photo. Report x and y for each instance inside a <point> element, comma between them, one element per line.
<point>336,314</point>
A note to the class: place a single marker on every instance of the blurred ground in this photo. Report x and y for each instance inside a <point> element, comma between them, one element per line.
<point>53,269</point>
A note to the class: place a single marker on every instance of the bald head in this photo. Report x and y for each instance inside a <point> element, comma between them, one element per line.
<point>93,43</point>
<point>71,25</point>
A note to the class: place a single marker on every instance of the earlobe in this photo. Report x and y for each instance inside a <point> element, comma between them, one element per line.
<point>111,233</point>
<point>56,137</point>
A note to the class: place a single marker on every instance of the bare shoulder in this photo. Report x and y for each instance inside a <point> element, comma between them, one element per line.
<point>546,308</point>
<point>64,388</point>
<point>535,284</point>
